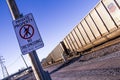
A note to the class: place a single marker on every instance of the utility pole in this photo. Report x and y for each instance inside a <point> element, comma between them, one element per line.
<point>24,61</point>
<point>40,74</point>
<point>3,67</point>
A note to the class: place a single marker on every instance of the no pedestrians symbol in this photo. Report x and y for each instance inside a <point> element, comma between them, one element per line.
<point>26,31</point>
<point>27,34</point>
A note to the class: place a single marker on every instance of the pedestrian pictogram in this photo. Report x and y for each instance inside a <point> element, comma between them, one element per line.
<point>26,31</point>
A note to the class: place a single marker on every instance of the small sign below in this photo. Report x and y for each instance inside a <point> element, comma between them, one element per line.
<point>27,34</point>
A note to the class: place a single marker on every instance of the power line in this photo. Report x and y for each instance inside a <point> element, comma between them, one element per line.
<point>14,61</point>
<point>17,60</point>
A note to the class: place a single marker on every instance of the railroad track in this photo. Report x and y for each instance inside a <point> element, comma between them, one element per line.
<point>102,68</point>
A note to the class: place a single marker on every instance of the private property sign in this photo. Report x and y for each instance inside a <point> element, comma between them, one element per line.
<point>27,34</point>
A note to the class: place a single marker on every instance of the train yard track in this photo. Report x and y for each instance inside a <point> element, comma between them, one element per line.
<point>102,68</point>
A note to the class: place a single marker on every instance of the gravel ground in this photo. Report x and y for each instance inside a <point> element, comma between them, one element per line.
<point>102,68</point>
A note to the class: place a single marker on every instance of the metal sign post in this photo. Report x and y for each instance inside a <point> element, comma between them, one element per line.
<point>38,71</point>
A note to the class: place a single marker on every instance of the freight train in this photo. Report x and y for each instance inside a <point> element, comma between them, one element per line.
<point>100,25</point>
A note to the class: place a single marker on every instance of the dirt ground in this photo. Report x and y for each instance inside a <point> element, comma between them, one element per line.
<point>101,68</point>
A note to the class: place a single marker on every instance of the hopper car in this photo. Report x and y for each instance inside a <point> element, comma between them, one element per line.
<point>100,25</point>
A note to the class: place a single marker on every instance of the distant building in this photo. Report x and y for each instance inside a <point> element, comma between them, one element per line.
<point>25,74</point>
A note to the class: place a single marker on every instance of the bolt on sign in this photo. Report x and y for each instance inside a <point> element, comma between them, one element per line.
<point>27,34</point>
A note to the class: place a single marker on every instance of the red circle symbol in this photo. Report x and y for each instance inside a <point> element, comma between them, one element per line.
<point>26,31</point>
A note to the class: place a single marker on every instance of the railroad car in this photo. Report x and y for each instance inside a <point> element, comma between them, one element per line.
<point>54,56</point>
<point>100,25</point>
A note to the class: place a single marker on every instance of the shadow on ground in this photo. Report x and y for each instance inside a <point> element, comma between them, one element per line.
<point>65,64</point>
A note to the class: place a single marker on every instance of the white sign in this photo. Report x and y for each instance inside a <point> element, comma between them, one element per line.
<point>27,34</point>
